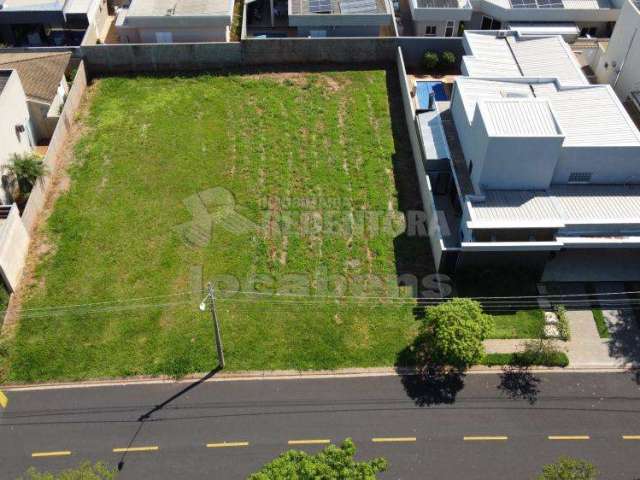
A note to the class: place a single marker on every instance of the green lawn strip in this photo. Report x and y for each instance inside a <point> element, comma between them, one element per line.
<point>154,142</point>
<point>556,359</point>
<point>521,324</point>
<point>601,324</point>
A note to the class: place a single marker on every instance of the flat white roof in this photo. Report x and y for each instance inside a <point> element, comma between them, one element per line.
<point>588,115</point>
<point>514,55</point>
<point>518,117</point>
<point>32,5</point>
<point>177,8</point>
<point>560,206</point>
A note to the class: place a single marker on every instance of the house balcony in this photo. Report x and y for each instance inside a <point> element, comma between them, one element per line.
<point>441,10</point>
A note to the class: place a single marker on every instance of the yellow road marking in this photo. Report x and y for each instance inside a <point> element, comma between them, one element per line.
<point>631,437</point>
<point>317,441</point>
<point>485,438</point>
<point>568,437</point>
<point>393,439</point>
<point>61,453</point>
<point>135,449</point>
<point>227,444</point>
<point>4,401</point>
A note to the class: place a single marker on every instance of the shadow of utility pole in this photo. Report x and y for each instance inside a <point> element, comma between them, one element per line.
<point>146,416</point>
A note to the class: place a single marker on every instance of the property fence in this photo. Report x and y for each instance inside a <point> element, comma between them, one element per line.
<point>38,196</point>
<point>14,242</point>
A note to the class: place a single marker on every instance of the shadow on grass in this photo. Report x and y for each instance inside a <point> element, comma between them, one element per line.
<point>147,416</point>
<point>518,383</point>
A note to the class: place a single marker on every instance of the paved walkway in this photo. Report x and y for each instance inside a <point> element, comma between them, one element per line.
<point>586,349</point>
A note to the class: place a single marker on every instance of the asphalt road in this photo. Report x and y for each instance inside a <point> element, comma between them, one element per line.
<point>507,422</point>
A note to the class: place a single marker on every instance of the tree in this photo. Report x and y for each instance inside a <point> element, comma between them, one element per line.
<point>26,170</point>
<point>333,463</point>
<point>86,471</point>
<point>430,60</point>
<point>448,59</point>
<point>456,330</point>
<point>567,468</point>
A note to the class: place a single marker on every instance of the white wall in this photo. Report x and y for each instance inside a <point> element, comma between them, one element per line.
<point>14,244</point>
<point>13,111</point>
<point>608,164</point>
<point>420,27</point>
<point>180,35</point>
<point>623,51</point>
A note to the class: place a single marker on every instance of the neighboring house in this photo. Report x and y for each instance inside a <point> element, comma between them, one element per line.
<point>319,18</point>
<point>43,78</point>
<point>16,130</point>
<point>15,138</point>
<point>569,18</point>
<point>537,166</point>
<point>36,23</point>
<point>170,21</point>
<point>619,64</point>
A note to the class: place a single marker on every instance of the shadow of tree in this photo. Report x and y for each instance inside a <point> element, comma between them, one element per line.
<point>432,384</point>
<point>518,383</point>
<point>624,342</point>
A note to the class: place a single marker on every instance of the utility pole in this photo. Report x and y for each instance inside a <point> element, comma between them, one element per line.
<point>216,325</point>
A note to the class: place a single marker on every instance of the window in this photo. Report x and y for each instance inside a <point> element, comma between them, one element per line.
<point>430,31</point>
<point>164,37</point>
<point>589,31</point>
<point>580,177</point>
<point>448,31</point>
<point>489,23</point>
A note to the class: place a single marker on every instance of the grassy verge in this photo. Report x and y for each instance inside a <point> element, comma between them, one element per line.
<point>601,323</point>
<point>522,324</point>
<point>557,359</point>
<point>273,142</point>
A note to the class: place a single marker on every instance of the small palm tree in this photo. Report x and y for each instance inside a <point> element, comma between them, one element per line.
<point>26,170</point>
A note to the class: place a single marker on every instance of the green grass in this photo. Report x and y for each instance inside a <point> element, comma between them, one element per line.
<point>601,324</point>
<point>153,142</point>
<point>522,324</point>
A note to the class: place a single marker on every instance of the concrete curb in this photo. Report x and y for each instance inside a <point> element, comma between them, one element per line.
<point>285,375</point>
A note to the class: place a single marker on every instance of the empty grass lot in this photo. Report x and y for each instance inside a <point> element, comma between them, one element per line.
<point>116,251</point>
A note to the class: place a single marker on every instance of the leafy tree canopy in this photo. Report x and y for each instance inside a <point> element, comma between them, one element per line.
<point>567,468</point>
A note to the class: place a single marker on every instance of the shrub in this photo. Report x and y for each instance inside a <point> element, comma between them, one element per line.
<point>567,468</point>
<point>26,170</point>
<point>86,471</point>
<point>430,60</point>
<point>332,462</point>
<point>563,323</point>
<point>601,323</point>
<point>448,59</point>
<point>540,352</point>
<point>456,330</point>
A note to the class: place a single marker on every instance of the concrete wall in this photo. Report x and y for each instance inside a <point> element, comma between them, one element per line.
<point>14,244</point>
<point>348,31</point>
<point>97,23</point>
<point>441,25</point>
<point>619,66</point>
<point>38,195</point>
<point>617,165</point>
<point>13,112</point>
<point>218,33</point>
<point>125,58</point>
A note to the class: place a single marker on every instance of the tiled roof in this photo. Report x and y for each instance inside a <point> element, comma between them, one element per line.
<point>40,73</point>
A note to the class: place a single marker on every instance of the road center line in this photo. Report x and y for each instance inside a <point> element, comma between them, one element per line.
<point>227,444</point>
<point>489,438</point>
<point>393,439</point>
<point>61,453</point>
<point>136,449</point>
<point>317,441</point>
<point>631,437</point>
<point>569,437</point>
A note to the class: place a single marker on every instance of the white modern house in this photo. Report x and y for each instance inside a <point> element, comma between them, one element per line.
<point>619,64</point>
<point>569,18</point>
<point>175,21</point>
<point>547,166</point>
<point>15,138</point>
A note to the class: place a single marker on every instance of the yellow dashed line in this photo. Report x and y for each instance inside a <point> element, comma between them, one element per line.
<point>317,441</point>
<point>61,453</point>
<point>227,444</point>
<point>4,401</point>
<point>631,437</point>
<point>136,449</point>
<point>393,439</point>
<point>486,438</point>
<point>569,437</point>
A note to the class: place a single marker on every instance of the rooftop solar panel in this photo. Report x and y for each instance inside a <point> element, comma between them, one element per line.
<point>523,3</point>
<point>550,4</point>
<point>537,4</point>
<point>320,6</point>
